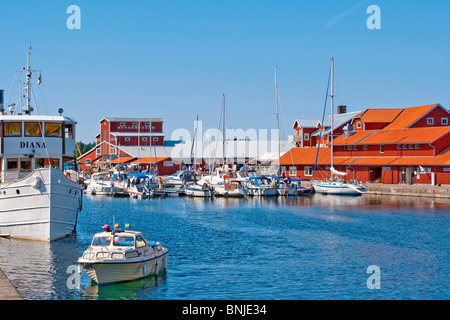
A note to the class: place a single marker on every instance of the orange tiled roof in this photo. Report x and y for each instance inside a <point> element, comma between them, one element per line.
<point>442,159</point>
<point>397,136</point>
<point>409,116</point>
<point>353,138</point>
<point>379,115</point>
<point>306,156</point>
<point>150,160</point>
<point>123,159</point>
<point>411,135</point>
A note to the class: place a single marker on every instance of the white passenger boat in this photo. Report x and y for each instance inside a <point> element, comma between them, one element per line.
<point>100,184</point>
<point>122,256</point>
<point>37,200</point>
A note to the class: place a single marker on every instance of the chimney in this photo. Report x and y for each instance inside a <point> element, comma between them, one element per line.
<point>2,102</point>
<point>341,109</point>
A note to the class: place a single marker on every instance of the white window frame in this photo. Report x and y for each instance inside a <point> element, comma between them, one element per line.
<point>308,171</point>
<point>430,121</point>
<point>444,121</point>
<point>358,125</point>
<point>292,171</point>
<point>127,139</point>
<point>306,136</point>
<point>98,151</point>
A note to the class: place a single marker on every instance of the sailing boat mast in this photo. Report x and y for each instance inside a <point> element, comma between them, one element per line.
<point>332,108</point>
<point>278,121</point>
<point>223,132</point>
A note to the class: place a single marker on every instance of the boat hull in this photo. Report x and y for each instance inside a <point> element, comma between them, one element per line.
<point>42,206</point>
<point>338,189</point>
<point>110,272</point>
<point>263,192</point>
<point>198,192</point>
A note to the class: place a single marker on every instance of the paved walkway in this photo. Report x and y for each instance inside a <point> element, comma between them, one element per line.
<point>7,290</point>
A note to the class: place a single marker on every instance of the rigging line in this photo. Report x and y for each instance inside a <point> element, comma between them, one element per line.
<point>42,129</point>
<point>322,126</point>
<point>284,122</point>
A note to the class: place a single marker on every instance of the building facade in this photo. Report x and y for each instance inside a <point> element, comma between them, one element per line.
<point>409,145</point>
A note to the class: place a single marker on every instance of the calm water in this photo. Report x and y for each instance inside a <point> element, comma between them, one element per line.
<point>316,247</point>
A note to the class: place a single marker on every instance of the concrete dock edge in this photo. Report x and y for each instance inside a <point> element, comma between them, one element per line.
<point>7,289</point>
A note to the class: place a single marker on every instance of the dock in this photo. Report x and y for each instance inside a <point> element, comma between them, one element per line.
<point>7,289</point>
<point>410,190</point>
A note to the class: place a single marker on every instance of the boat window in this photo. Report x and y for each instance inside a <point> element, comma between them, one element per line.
<point>102,254</point>
<point>25,164</point>
<point>117,255</point>
<point>11,164</point>
<point>123,241</point>
<point>53,129</point>
<point>140,242</point>
<point>132,254</point>
<point>101,241</point>
<point>13,129</point>
<point>33,129</point>
<point>68,131</point>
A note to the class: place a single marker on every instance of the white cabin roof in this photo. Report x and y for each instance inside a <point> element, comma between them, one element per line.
<point>36,118</point>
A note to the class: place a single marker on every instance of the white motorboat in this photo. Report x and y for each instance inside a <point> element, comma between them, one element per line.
<point>179,179</point>
<point>37,201</point>
<point>140,185</point>
<point>122,256</point>
<point>284,187</point>
<point>261,186</point>
<point>100,184</point>
<point>233,188</point>
<point>196,190</point>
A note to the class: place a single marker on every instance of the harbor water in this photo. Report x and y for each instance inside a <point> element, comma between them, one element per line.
<point>309,247</point>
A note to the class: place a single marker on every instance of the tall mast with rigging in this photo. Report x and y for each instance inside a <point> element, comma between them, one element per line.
<point>278,121</point>
<point>332,108</point>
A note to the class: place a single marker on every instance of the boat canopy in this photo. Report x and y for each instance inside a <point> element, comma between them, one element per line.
<point>338,173</point>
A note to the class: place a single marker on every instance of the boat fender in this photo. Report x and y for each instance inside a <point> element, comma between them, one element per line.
<point>37,183</point>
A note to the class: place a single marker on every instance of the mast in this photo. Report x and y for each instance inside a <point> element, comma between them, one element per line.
<point>332,110</point>
<point>28,108</point>
<point>278,121</point>
<point>223,132</point>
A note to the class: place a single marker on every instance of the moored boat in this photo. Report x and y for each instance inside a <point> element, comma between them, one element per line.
<point>37,200</point>
<point>116,257</point>
<point>261,186</point>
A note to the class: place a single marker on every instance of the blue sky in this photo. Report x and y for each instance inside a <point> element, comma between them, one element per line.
<point>175,59</point>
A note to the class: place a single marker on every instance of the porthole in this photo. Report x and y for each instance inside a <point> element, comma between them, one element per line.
<point>17,191</point>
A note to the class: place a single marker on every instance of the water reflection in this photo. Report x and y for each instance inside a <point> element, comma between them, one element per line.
<point>306,247</point>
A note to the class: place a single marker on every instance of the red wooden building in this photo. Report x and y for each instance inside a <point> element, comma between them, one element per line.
<point>128,139</point>
<point>409,145</point>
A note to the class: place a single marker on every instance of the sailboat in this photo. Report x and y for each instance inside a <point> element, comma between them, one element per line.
<point>197,188</point>
<point>284,188</point>
<point>336,184</point>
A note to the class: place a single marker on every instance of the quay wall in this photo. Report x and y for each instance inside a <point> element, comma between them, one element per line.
<point>414,190</point>
<point>7,289</point>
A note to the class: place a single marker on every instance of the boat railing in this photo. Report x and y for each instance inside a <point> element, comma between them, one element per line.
<point>11,175</point>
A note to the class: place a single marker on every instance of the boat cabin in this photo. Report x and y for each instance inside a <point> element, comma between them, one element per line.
<point>119,245</point>
<point>28,142</point>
